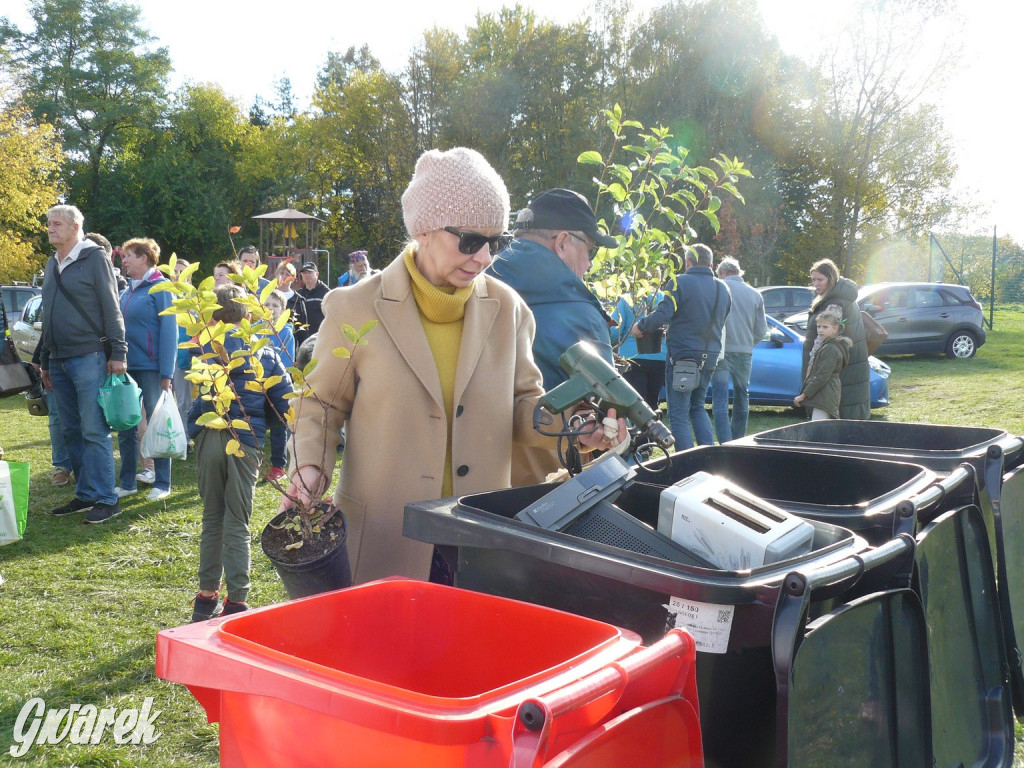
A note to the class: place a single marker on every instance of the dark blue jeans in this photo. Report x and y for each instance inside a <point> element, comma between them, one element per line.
<point>687,415</point>
<point>735,367</point>
<point>76,383</point>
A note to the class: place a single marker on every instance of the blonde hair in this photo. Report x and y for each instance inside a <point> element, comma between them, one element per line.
<point>830,318</point>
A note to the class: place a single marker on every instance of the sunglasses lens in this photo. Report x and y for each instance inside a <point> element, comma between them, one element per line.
<point>499,243</point>
<point>470,242</point>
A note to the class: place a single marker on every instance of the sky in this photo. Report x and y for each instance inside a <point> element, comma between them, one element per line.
<point>246,45</point>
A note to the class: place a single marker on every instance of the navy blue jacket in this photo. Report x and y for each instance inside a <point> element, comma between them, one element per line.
<point>254,403</point>
<point>686,309</point>
<point>565,309</point>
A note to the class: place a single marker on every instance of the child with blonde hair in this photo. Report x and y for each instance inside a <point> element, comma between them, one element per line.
<point>822,389</point>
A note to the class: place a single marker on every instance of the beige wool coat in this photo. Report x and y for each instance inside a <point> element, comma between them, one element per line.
<point>388,397</point>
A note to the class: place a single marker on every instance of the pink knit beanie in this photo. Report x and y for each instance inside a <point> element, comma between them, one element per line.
<point>457,188</point>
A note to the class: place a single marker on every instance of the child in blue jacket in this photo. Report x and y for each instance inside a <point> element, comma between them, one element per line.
<point>227,482</point>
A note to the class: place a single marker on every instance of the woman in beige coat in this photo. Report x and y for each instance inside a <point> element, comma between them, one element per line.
<point>443,386</point>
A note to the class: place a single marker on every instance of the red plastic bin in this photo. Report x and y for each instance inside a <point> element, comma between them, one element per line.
<point>402,673</point>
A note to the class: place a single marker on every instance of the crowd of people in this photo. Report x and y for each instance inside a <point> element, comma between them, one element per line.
<point>469,322</point>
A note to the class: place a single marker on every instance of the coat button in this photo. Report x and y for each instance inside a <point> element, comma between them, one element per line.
<point>458,411</point>
<point>462,471</point>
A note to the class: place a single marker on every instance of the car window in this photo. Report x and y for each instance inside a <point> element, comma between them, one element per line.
<point>34,311</point>
<point>800,297</point>
<point>928,297</point>
<point>894,298</point>
<point>774,299</point>
<point>16,300</point>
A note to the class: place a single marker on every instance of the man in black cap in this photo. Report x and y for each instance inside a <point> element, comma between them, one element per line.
<point>312,292</point>
<point>556,238</point>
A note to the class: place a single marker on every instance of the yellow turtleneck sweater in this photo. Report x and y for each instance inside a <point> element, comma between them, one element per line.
<point>441,312</point>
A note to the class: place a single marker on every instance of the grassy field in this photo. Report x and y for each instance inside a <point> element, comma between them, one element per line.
<point>81,605</point>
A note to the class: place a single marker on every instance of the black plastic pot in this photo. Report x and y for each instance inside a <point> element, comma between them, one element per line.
<point>650,342</point>
<point>326,573</point>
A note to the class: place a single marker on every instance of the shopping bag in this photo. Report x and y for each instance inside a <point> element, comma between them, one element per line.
<point>165,436</point>
<point>121,402</point>
<point>13,501</point>
<point>14,375</point>
<point>874,333</point>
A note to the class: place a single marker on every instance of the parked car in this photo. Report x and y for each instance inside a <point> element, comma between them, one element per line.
<point>25,330</point>
<point>781,301</point>
<point>775,369</point>
<point>921,318</point>
<point>16,296</point>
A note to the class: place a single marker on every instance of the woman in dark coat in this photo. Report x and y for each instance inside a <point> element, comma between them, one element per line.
<point>840,294</point>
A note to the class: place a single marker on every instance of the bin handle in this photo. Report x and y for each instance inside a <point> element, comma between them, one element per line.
<point>534,712</point>
<point>852,567</point>
<point>534,717</point>
<point>936,492</point>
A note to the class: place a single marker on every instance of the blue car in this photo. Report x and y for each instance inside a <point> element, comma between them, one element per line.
<point>775,369</point>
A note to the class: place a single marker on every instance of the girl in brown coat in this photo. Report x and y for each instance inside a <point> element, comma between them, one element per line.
<point>829,354</point>
<point>442,387</point>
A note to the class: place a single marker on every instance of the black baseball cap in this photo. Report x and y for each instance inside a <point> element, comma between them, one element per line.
<point>309,266</point>
<point>563,209</point>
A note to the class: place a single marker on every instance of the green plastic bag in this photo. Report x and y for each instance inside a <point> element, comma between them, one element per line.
<point>121,402</point>
<point>13,501</point>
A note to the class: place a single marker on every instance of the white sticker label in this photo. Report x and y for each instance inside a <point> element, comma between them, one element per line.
<point>710,624</point>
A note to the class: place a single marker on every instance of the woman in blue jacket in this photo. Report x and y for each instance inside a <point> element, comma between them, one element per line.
<point>152,349</point>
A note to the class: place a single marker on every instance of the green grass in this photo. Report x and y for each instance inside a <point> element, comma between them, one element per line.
<point>81,605</point>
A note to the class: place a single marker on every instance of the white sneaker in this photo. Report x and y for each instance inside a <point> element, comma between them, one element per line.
<point>122,492</point>
<point>156,494</point>
<point>147,476</point>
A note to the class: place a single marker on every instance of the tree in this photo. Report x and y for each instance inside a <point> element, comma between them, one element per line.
<point>360,156</point>
<point>28,187</point>
<point>528,99</point>
<point>86,68</point>
<point>871,160</point>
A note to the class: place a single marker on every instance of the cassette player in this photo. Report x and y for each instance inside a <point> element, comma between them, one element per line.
<point>728,526</point>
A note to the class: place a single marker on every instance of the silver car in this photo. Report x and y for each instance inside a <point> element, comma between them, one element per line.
<point>921,318</point>
<point>25,331</point>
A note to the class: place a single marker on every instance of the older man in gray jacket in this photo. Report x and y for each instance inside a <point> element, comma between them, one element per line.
<point>744,329</point>
<point>83,341</point>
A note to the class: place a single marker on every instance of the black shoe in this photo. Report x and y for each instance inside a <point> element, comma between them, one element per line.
<point>75,505</point>
<point>103,512</point>
<point>204,608</point>
<point>230,607</point>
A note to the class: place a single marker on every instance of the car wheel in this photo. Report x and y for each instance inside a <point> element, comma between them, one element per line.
<point>961,345</point>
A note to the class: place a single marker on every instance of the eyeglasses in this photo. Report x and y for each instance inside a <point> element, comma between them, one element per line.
<point>591,247</point>
<point>471,242</point>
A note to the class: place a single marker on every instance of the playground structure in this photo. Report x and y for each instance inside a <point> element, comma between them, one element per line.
<point>289,235</point>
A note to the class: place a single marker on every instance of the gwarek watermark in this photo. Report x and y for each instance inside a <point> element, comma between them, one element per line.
<point>83,724</point>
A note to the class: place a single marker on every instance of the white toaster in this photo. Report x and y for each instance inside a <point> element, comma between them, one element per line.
<point>728,526</point>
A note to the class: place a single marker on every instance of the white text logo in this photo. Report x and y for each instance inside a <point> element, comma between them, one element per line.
<point>82,724</point>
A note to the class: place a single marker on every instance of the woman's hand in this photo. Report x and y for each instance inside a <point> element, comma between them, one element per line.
<point>596,437</point>
<point>167,385</point>
<point>799,399</point>
<point>306,487</point>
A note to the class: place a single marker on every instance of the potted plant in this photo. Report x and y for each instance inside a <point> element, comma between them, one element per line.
<point>306,544</point>
<point>654,198</point>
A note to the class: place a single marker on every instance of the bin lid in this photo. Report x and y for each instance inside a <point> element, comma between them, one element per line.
<point>939,447</point>
<point>864,665</point>
<point>972,720</point>
<point>1011,577</point>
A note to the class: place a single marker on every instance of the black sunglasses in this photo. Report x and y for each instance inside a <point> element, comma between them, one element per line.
<point>471,242</point>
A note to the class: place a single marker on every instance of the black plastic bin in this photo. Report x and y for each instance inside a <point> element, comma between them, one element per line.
<point>853,493</point>
<point>941,448</point>
<point>734,611</point>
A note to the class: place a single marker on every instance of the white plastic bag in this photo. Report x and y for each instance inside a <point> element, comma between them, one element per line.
<point>165,434</point>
